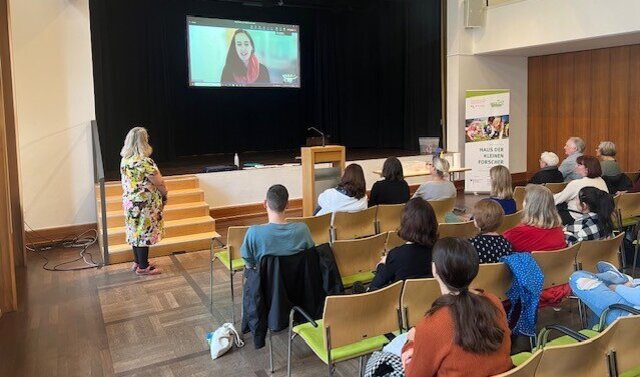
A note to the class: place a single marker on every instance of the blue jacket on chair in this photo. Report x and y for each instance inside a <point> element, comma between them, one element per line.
<point>526,287</point>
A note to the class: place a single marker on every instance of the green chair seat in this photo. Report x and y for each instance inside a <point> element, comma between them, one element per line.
<point>314,337</point>
<point>630,221</point>
<point>635,372</point>
<point>238,264</point>
<point>520,358</point>
<point>564,340</point>
<point>364,277</point>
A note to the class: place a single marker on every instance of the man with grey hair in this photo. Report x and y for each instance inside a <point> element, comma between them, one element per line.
<point>277,237</point>
<point>573,148</point>
<point>548,172</point>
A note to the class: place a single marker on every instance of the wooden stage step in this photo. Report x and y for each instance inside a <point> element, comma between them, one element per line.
<point>175,197</point>
<point>172,228</point>
<point>192,242</point>
<point>172,183</point>
<point>115,219</point>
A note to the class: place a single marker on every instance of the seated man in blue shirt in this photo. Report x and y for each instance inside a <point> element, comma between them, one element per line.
<point>277,237</point>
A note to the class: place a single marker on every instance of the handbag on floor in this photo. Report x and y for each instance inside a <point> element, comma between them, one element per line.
<point>221,340</point>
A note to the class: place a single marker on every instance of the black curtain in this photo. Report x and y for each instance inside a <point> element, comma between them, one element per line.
<point>370,78</point>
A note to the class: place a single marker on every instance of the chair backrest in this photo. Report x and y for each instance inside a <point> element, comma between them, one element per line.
<point>417,297</point>
<point>235,237</point>
<point>320,226</point>
<point>518,197</point>
<point>442,207</point>
<point>629,205</point>
<point>465,230</point>
<point>350,225</point>
<point>557,266</point>
<point>393,241</point>
<point>361,255</point>
<point>352,318</point>
<point>591,252</point>
<point>626,332</point>
<point>526,369</point>
<point>493,278</point>
<point>633,175</point>
<point>556,187</point>
<point>510,221</point>
<point>388,217</point>
<point>586,358</point>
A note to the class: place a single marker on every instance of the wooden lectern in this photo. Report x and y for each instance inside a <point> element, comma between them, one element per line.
<point>317,179</point>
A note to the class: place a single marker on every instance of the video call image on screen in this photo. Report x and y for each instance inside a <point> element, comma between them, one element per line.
<point>242,53</point>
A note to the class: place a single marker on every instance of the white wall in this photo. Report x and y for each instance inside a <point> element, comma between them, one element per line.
<point>54,101</point>
<point>466,71</point>
<point>540,22</point>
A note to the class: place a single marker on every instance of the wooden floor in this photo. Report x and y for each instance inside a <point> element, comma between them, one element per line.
<point>105,322</point>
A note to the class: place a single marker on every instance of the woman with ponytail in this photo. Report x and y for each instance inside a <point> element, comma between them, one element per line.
<point>465,333</point>
<point>595,223</point>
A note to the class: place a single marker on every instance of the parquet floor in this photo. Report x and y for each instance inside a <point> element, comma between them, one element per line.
<point>110,322</point>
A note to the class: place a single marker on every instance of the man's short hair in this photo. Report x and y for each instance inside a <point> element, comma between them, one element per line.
<point>579,143</point>
<point>277,198</point>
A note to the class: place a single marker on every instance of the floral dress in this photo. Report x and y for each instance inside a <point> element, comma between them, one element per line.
<point>142,201</point>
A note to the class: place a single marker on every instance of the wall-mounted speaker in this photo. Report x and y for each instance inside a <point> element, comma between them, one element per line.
<point>474,13</point>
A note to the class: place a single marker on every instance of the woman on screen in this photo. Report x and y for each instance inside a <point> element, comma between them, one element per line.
<point>242,65</point>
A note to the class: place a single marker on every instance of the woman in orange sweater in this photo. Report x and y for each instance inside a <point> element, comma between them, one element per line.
<point>465,333</point>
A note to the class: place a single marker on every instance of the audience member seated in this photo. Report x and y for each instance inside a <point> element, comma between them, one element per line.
<point>548,172</point>
<point>439,188</point>
<point>595,223</point>
<point>349,196</point>
<point>605,288</point>
<point>606,151</point>
<point>501,188</point>
<point>488,216</point>
<point>588,168</point>
<point>540,228</point>
<point>419,227</point>
<point>277,237</point>
<point>465,333</point>
<point>573,148</point>
<point>393,189</point>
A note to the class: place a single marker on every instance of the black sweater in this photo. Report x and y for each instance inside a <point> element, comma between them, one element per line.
<point>549,174</point>
<point>409,261</point>
<point>389,192</point>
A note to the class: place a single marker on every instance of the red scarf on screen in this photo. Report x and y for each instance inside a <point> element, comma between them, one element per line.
<point>253,71</point>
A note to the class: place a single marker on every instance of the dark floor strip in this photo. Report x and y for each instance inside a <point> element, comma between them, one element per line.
<point>163,363</point>
<point>203,297</point>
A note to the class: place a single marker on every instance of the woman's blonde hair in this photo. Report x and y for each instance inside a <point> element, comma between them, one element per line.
<point>501,182</point>
<point>539,208</point>
<point>441,165</point>
<point>136,143</point>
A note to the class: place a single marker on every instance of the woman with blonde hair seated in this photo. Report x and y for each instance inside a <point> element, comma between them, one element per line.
<point>501,188</point>
<point>439,188</point>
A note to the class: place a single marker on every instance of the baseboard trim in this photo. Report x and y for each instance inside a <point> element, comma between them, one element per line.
<point>50,235</point>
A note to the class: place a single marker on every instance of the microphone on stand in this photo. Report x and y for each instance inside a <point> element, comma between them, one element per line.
<point>318,131</point>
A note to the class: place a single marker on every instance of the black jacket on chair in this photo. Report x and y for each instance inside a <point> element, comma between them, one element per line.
<point>615,183</point>
<point>280,283</point>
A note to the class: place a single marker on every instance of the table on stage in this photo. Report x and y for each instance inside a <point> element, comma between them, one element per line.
<point>417,173</point>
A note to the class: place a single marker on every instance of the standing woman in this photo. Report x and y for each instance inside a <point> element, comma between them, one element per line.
<point>143,196</point>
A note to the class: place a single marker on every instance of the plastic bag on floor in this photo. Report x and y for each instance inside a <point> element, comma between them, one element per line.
<point>221,340</point>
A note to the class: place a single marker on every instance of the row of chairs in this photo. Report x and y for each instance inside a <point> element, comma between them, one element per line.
<point>613,352</point>
<point>519,191</point>
<point>378,219</point>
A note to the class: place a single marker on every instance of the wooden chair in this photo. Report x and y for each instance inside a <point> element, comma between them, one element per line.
<point>231,259</point>
<point>556,187</point>
<point>417,297</point>
<point>586,358</point>
<point>351,326</point>
<point>633,175</point>
<point>557,266</point>
<point>526,368</point>
<point>393,241</point>
<point>356,259</point>
<point>510,221</point>
<point>494,278</point>
<point>442,207</point>
<point>518,197</point>
<point>626,332</point>
<point>591,252</point>
<point>350,225</point>
<point>465,230</point>
<point>388,217</point>
<point>628,209</point>
<point>320,227</point>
